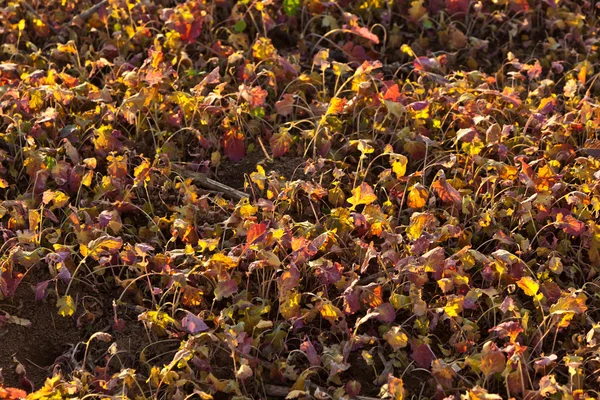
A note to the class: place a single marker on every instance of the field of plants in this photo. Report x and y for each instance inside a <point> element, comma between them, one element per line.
<point>299,199</point>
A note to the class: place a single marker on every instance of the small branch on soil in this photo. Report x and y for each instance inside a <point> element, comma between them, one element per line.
<point>87,13</point>
<point>31,10</point>
<point>210,184</point>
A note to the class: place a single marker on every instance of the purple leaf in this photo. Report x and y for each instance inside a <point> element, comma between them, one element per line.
<point>193,324</point>
<point>311,353</point>
<point>40,290</point>
<point>225,289</point>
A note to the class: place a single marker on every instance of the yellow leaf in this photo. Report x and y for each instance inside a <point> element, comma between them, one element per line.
<point>259,177</point>
<point>263,49</point>
<point>529,286</point>
<point>220,261</point>
<point>104,244</point>
<point>21,25</point>
<point>396,338</point>
<point>418,222</point>
<point>248,210</point>
<point>66,306</point>
<point>60,199</point>
<point>454,306</point>
<point>3,183</point>
<point>329,311</point>
<point>87,178</point>
<point>68,48</point>
<point>290,306</point>
<point>141,172</point>
<point>417,196</point>
<point>399,165</point>
<point>362,194</point>
<point>36,100</point>
<point>407,50</point>
<point>417,11</point>
<point>336,106</point>
<point>159,318</point>
<point>208,244</point>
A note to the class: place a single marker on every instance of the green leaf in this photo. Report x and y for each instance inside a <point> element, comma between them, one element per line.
<point>291,7</point>
<point>240,26</point>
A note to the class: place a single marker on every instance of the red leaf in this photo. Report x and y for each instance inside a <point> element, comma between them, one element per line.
<point>385,313</point>
<point>329,272</point>
<point>233,142</point>
<point>40,290</point>
<point>422,355</point>
<point>570,225</point>
<point>419,105</point>
<point>392,93</point>
<point>351,300</point>
<point>256,232</point>
<point>280,142</point>
<point>509,330</point>
<point>288,280</point>
<point>457,6</point>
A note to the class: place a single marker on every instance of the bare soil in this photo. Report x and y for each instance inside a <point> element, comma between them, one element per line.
<point>50,343</point>
<point>236,174</point>
<point>38,346</point>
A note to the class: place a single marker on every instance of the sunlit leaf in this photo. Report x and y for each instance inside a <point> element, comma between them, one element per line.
<point>396,338</point>
<point>399,163</point>
<point>529,286</point>
<point>445,191</point>
<point>66,306</point>
<point>329,311</point>
<point>417,196</point>
<point>362,194</point>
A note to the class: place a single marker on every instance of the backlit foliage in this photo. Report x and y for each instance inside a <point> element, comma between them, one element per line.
<point>423,181</point>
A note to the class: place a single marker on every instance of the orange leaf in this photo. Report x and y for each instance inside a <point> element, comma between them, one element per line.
<point>445,191</point>
<point>256,232</point>
<point>582,75</point>
<point>417,196</point>
<point>372,297</point>
<point>336,105</point>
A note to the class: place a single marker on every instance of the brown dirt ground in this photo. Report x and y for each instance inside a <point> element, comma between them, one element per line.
<point>50,339</point>
<point>235,174</point>
<point>37,346</point>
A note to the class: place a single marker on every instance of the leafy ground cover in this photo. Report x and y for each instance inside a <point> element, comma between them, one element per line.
<point>416,214</point>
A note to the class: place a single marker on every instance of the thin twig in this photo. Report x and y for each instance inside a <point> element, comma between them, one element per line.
<point>211,184</point>
<point>35,13</point>
<point>87,13</point>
